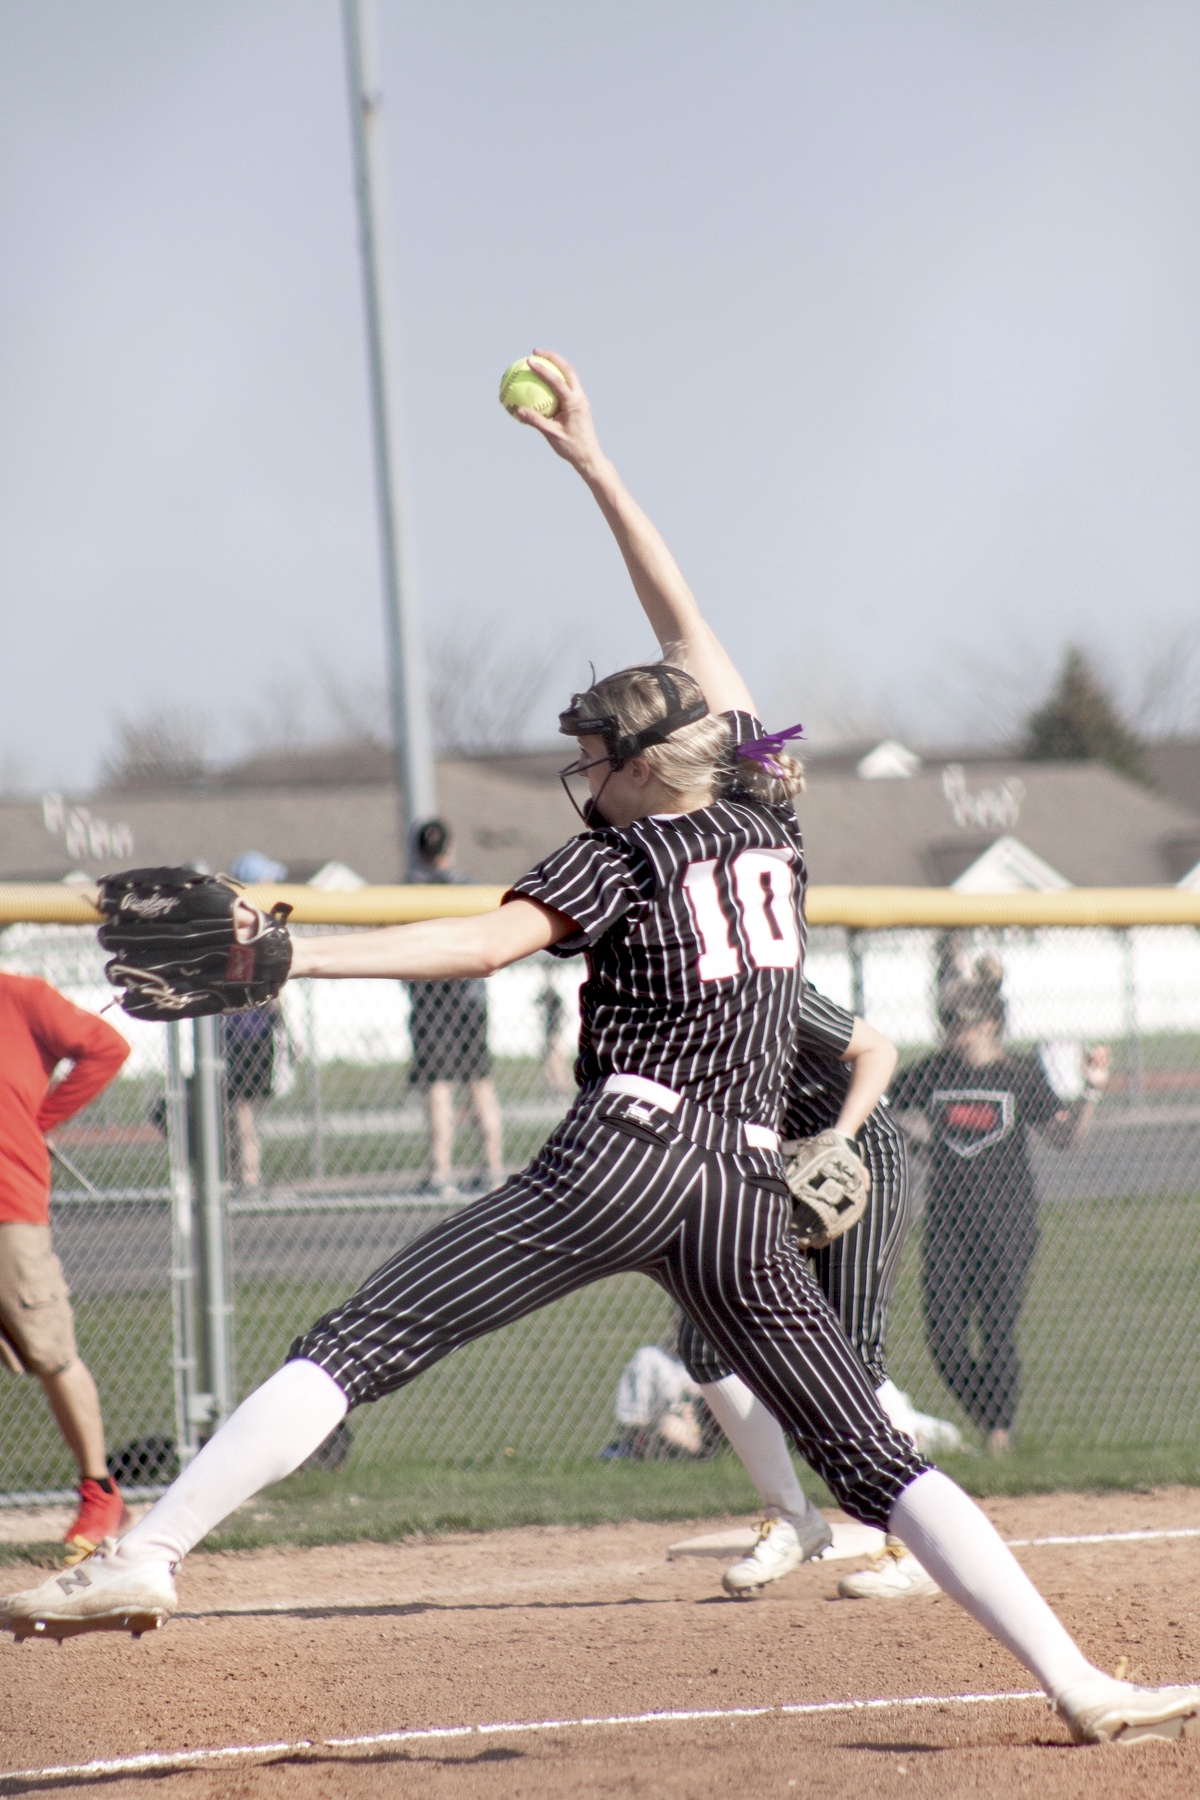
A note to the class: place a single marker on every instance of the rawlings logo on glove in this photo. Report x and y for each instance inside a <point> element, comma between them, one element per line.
<point>830,1186</point>
<point>178,951</point>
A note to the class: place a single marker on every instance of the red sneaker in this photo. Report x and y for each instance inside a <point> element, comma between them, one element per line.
<point>100,1515</point>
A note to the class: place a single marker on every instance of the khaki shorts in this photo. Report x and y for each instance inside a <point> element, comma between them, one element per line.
<point>37,1330</point>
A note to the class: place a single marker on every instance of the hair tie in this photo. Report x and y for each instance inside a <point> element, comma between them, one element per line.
<point>764,750</point>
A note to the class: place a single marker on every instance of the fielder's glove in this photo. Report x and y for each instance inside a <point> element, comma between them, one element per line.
<point>177,952</point>
<point>830,1186</point>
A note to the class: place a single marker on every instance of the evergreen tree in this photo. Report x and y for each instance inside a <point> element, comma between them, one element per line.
<point>1080,721</point>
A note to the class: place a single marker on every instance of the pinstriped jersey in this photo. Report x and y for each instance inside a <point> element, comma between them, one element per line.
<point>693,929</point>
<point>818,1080</point>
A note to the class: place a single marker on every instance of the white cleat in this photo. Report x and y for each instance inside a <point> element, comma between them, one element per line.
<point>783,1544</point>
<point>1107,1711</point>
<point>894,1574</point>
<point>103,1593</point>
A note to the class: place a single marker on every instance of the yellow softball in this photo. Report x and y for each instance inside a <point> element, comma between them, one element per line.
<point>523,386</point>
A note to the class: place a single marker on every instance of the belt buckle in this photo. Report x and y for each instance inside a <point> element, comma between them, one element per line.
<point>642,1119</point>
<point>759,1137</point>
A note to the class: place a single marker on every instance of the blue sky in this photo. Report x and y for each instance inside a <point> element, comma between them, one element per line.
<point>888,311</point>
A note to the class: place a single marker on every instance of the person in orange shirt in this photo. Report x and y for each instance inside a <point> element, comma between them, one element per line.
<point>39,1028</point>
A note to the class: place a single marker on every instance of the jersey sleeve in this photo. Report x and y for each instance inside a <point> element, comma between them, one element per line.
<point>594,879</point>
<point>824,1026</point>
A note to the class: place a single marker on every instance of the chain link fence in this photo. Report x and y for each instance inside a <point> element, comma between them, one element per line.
<point>242,1176</point>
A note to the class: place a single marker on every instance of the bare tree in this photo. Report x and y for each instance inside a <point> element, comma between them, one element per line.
<point>281,717</point>
<point>483,690</point>
<point>14,773</point>
<point>1168,704</point>
<point>159,745</point>
<point>826,692</point>
<point>482,693</point>
<point>355,709</point>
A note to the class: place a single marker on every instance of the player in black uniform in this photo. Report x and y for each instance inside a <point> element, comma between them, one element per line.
<point>686,901</point>
<point>838,1075</point>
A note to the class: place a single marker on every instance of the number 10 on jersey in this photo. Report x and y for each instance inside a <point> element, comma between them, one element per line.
<point>763,886</point>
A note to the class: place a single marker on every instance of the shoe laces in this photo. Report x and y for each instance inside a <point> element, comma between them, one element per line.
<point>889,1553</point>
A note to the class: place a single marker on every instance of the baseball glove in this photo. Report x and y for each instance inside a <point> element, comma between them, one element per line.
<point>830,1185</point>
<point>177,952</point>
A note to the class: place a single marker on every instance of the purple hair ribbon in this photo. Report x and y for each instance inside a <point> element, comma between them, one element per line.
<point>764,750</point>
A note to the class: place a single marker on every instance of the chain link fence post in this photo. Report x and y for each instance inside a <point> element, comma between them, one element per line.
<point>183,1252</point>
<point>858,1003</point>
<point>316,1114</point>
<point>216,1339</point>
<point>1135,1083</point>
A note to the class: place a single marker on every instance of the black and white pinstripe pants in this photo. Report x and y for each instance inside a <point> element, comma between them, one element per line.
<point>624,1186</point>
<point>857,1272</point>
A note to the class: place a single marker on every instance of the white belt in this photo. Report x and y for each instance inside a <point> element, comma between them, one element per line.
<point>759,1137</point>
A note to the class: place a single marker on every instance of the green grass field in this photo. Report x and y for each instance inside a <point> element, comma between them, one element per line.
<point>508,1430</point>
<point>1109,1337</point>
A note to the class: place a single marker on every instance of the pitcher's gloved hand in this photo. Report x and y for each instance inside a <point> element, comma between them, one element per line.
<point>830,1186</point>
<point>188,944</point>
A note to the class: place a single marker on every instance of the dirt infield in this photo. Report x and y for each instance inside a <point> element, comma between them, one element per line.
<point>563,1629</point>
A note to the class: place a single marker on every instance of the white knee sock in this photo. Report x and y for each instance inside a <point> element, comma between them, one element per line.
<point>952,1539</point>
<point>758,1439</point>
<point>269,1435</point>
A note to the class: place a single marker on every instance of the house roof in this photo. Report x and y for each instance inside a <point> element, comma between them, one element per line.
<point>1174,768</point>
<point>1091,825</point>
<point>505,821</point>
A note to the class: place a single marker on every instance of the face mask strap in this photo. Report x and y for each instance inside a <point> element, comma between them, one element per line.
<point>623,747</point>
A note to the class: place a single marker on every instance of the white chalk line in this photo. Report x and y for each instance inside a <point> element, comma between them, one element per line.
<point>182,1758</point>
<point>1107,1537</point>
<point>179,1759</point>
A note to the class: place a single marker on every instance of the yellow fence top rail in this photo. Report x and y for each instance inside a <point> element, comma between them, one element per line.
<point>875,908</point>
<point>862,908</point>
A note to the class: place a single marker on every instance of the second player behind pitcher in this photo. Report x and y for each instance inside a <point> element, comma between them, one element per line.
<point>838,1076</point>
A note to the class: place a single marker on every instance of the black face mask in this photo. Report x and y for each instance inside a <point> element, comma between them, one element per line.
<point>589,812</point>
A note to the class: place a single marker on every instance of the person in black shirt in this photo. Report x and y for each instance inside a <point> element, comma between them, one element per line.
<point>979,1101</point>
<point>685,899</point>
<point>248,1041</point>
<point>448,1028</point>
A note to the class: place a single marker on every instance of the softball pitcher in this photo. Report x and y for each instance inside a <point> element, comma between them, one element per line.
<point>685,899</point>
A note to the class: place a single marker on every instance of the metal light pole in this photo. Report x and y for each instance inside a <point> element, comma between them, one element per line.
<point>406,664</point>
